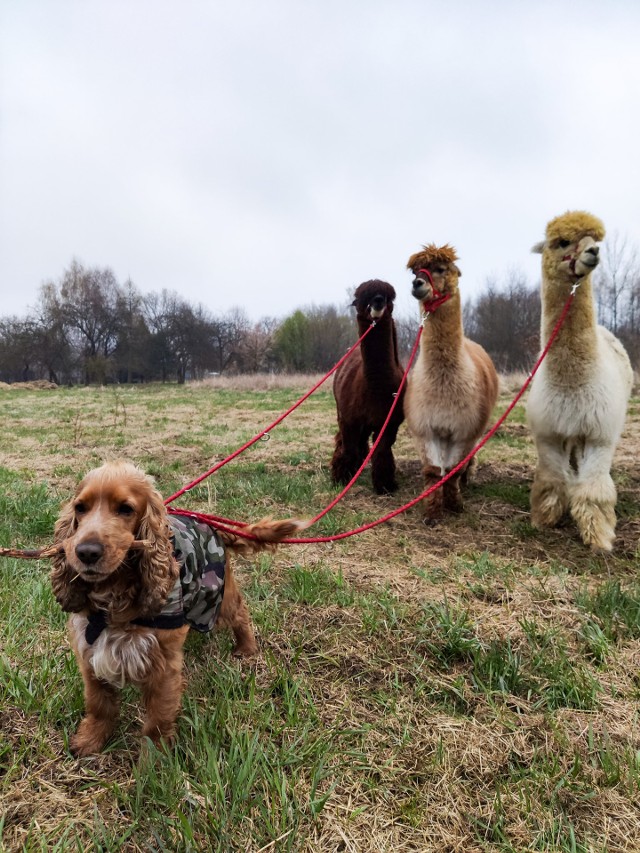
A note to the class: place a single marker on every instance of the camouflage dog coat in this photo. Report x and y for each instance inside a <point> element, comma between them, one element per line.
<point>196,596</point>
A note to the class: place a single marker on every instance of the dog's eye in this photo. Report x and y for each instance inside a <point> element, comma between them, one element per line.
<point>125,509</point>
<point>80,508</point>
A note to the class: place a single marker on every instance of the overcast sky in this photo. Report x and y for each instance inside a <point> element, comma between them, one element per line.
<point>274,154</point>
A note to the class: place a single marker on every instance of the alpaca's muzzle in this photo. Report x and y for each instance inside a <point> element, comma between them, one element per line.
<point>377,306</point>
<point>421,289</point>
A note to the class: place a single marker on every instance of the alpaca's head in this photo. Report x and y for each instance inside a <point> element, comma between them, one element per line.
<point>440,263</point>
<point>373,300</point>
<point>570,249</point>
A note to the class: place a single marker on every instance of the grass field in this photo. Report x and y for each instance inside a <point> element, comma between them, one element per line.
<point>472,686</point>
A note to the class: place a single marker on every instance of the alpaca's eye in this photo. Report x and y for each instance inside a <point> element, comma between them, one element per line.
<point>80,508</point>
<point>125,509</point>
<point>563,243</point>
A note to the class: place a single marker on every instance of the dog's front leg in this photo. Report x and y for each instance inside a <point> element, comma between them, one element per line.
<point>162,690</point>
<point>102,705</point>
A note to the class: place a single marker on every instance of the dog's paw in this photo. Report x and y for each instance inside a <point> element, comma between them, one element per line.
<point>246,649</point>
<point>80,746</point>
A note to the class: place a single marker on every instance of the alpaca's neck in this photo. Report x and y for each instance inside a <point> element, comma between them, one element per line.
<point>575,348</point>
<point>443,335</point>
<point>379,349</point>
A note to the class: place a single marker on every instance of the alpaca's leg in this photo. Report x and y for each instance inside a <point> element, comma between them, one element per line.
<point>593,499</point>
<point>468,471</point>
<point>549,497</point>
<point>337,460</point>
<point>452,453</point>
<point>452,497</point>
<point>432,455</point>
<point>351,447</point>
<point>235,615</point>
<point>383,466</point>
<point>433,503</point>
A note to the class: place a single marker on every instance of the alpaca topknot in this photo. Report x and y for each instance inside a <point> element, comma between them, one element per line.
<point>431,254</point>
<point>574,225</point>
<point>368,289</point>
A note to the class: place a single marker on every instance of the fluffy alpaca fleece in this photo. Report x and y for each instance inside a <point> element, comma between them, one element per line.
<point>578,398</point>
<point>453,387</point>
<point>364,388</point>
<point>118,576</point>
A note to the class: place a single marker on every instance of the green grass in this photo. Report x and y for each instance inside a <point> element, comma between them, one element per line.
<point>516,494</point>
<point>616,608</point>
<point>468,686</point>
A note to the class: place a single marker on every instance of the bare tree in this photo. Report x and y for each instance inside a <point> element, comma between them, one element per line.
<point>617,288</point>
<point>505,320</point>
<point>255,351</point>
<point>89,304</point>
<point>131,347</point>
<point>407,326</point>
<point>228,335</point>
<point>616,276</point>
<point>18,350</point>
<point>158,310</point>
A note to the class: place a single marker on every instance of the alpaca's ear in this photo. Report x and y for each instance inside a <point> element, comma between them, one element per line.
<point>157,566</point>
<point>69,590</point>
<point>457,270</point>
<point>538,249</point>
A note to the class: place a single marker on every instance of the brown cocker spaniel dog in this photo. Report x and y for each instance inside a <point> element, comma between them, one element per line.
<point>133,602</point>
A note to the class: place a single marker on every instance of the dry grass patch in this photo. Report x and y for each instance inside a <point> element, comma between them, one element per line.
<point>460,687</point>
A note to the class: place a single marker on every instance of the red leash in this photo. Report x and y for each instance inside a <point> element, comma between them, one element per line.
<point>220,521</point>
<point>339,497</point>
<point>469,455</point>
<point>266,430</point>
<point>315,539</point>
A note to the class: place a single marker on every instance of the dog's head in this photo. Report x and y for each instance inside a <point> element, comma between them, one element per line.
<point>113,506</point>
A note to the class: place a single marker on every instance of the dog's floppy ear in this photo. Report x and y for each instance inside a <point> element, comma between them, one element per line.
<point>69,590</point>
<point>157,566</point>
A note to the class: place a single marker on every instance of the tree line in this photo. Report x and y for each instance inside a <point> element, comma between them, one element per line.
<point>87,328</point>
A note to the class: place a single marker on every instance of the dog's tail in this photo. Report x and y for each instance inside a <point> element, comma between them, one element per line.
<point>265,534</point>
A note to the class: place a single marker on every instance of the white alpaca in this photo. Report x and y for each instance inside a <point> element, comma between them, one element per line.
<point>578,399</point>
<point>453,386</point>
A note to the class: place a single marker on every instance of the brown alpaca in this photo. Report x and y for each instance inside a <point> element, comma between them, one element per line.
<point>132,602</point>
<point>364,388</point>
<point>453,386</point>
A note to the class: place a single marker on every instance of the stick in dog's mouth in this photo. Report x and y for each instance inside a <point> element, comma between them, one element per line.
<point>52,550</point>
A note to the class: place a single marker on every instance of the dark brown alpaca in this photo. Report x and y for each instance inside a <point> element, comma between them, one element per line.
<point>364,388</point>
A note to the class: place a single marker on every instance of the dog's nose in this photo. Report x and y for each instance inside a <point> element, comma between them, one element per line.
<point>89,552</point>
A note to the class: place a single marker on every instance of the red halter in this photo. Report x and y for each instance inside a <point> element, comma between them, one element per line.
<point>430,305</point>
